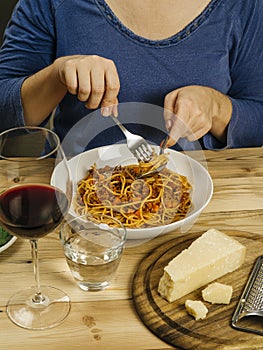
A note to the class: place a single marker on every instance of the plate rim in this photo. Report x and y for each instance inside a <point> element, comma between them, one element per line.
<point>8,244</point>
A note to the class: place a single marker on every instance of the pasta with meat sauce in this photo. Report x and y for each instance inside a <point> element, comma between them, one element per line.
<point>157,200</point>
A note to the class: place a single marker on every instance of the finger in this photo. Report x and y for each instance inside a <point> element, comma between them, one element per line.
<point>168,119</point>
<point>97,88</point>
<point>108,110</point>
<point>112,87</point>
<point>178,130</point>
<point>70,79</point>
<point>115,109</point>
<point>84,84</point>
<point>169,106</point>
<point>182,123</point>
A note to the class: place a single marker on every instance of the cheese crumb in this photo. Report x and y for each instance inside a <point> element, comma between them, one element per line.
<point>196,308</point>
<point>217,293</point>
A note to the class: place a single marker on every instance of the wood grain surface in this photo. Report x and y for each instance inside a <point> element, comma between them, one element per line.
<point>171,322</point>
<point>108,319</point>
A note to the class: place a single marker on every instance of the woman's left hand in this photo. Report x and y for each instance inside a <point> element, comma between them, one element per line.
<point>193,111</point>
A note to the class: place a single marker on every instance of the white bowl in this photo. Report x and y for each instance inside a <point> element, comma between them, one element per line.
<point>118,154</point>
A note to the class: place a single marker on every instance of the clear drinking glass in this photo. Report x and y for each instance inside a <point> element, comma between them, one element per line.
<point>93,251</point>
<point>30,208</point>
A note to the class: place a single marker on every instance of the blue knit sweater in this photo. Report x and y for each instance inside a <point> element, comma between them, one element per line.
<point>221,48</point>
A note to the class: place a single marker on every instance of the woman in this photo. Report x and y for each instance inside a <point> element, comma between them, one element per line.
<point>201,61</point>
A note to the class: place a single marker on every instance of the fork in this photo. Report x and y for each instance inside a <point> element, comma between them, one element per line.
<point>136,144</point>
<point>157,170</point>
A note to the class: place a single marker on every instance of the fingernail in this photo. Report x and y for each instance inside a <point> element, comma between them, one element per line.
<point>115,110</point>
<point>168,124</point>
<point>105,111</point>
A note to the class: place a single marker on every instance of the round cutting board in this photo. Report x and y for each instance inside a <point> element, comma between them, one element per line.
<point>171,322</point>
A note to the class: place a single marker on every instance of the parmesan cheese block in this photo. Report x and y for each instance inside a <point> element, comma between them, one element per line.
<point>196,308</point>
<point>209,257</point>
<point>217,293</point>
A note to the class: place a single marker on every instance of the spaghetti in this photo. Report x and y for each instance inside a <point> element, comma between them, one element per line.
<point>157,200</point>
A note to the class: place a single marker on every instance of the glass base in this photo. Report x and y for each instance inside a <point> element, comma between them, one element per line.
<point>47,313</point>
<point>93,287</point>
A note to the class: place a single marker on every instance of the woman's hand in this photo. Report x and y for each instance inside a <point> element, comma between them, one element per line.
<point>192,111</point>
<point>93,79</point>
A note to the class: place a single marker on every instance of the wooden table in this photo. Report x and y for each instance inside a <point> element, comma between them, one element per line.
<point>108,320</point>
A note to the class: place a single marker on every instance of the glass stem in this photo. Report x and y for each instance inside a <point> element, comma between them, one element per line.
<point>38,298</point>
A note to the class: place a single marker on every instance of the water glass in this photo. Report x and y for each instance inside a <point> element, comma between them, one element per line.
<point>93,250</point>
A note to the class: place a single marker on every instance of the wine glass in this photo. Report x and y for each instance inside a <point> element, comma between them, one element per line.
<point>30,208</point>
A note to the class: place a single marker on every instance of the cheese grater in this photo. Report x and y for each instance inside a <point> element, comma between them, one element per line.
<point>251,302</point>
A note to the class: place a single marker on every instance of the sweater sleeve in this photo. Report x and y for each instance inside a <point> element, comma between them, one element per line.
<point>27,48</point>
<point>246,92</point>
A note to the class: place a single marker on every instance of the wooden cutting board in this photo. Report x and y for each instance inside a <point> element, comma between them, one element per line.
<point>170,321</point>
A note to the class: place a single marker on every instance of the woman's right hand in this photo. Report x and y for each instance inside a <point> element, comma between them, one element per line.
<point>93,79</point>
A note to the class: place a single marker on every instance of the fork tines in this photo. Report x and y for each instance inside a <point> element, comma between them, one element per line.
<point>144,152</point>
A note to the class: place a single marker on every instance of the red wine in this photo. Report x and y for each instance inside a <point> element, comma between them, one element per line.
<point>32,210</point>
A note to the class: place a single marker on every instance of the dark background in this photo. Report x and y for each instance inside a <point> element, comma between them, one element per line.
<point>6,8</point>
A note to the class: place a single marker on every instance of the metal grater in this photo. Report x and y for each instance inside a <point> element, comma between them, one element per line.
<point>251,301</point>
